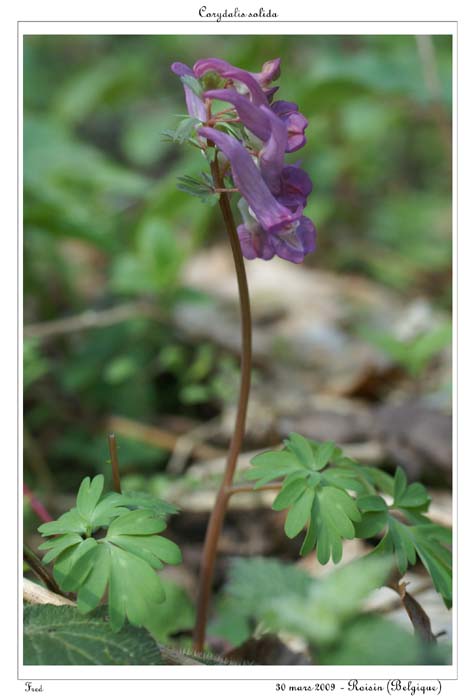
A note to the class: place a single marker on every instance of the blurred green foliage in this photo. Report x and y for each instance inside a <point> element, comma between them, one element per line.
<point>104,222</point>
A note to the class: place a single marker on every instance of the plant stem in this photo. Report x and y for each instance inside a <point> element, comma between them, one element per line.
<point>111,438</point>
<point>218,513</point>
<point>36,505</point>
<point>37,567</point>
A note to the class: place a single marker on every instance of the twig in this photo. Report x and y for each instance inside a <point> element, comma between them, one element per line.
<point>116,477</point>
<point>188,443</point>
<point>91,319</point>
<point>36,505</point>
<point>39,570</point>
<point>418,617</point>
<point>36,594</point>
<point>394,603</point>
<point>156,436</point>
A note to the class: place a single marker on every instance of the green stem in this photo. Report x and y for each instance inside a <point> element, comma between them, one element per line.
<point>218,513</point>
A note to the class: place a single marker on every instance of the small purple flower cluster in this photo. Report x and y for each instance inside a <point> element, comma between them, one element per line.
<point>273,194</point>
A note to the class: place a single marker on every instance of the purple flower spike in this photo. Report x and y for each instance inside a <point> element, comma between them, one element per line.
<point>247,178</point>
<point>274,194</point>
<point>295,123</point>
<point>251,116</point>
<point>226,70</point>
<point>195,106</point>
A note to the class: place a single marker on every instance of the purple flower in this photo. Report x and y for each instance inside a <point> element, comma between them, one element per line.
<point>270,71</point>
<point>195,105</point>
<point>292,242</point>
<point>226,70</point>
<point>274,194</point>
<point>251,116</point>
<point>295,123</point>
<point>295,188</point>
<point>271,156</point>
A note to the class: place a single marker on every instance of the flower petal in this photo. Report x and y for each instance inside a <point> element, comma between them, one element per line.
<point>296,186</point>
<point>251,116</point>
<point>294,242</point>
<point>255,243</point>
<point>271,70</point>
<point>271,157</point>
<point>226,70</point>
<point>195,105</point>
<point>295,123</point>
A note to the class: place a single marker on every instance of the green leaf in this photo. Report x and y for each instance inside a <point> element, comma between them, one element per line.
<point>123,562</point>
<point>371,524</point>
<point>70,522</point>
<point>64,563</point>
<point>345,478</point>
<point>371,503</point>
<point>229,623</point>
<point>437,560</point>
<point>254,581</point>
<point>139,499</point>
<point>291,490</point>
<point>81,564</point>
<point>271,465</point>
<point>403,544</point>
<point>174,615</point>
<point>186,128</point>
<point>299,513</point>
<point>88,496</point>
<point>311,535</point>
<point>136,522</point>
<point>399,486</point>
<point>369,640</point>
<point>336,514</point>
<point>383,481</point>
<point>192,83</point>
<point>200,188</point>
<point>325,452</point>
<point>302,449</point>
<point>106,510</point>
<point>275,458</point>
<point>328,603</point>
<point>416,496</point>
<point>135,590</point>
<point>94,587</point>
<point>58,545</point>
<point>61,636</point>
<point>154,550</point>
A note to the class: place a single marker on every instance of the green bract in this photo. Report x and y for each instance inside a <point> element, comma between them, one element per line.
<point>123,561</point>
<point>337,498</point>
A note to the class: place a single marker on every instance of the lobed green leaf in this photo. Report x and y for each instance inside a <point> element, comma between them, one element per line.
<point>299,513</point>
